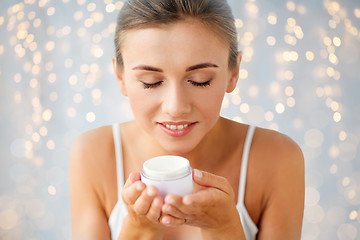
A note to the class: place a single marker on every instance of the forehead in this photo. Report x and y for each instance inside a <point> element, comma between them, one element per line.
<point>180,42</point>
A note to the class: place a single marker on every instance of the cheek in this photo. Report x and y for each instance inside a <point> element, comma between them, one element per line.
<point>210,103</point>
<point>137,103</point>
<point>141,103</point>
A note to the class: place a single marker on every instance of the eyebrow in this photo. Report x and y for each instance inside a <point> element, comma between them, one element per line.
<point>200,66</point>
<point>189,69</point>
<point>147,68</point>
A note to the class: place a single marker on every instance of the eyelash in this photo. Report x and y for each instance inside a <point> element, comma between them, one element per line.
<point>151,85</point>
<point>197,84</point>
<point>202,84</point>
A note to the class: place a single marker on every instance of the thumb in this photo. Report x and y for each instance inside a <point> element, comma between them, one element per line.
<point>207,179</point>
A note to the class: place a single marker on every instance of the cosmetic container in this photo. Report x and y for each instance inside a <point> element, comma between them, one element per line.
<point>170,174</point>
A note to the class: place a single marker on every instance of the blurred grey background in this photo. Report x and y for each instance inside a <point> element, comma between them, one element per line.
<point>299,75</point>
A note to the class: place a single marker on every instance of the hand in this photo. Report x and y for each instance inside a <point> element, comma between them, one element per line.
<point>212,208</point>
<point>143,203</point>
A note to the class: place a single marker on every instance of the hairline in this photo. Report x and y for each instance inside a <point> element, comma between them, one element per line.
<point>182,18</point>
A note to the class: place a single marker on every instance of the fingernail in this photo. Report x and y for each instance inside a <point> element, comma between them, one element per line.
<point>169,200</point>
<point>140,187</point>
<point>197,173</point>
<point>151,192</point>
<point>157,202</point>
<point>165,220</point>
<point>187,201</point>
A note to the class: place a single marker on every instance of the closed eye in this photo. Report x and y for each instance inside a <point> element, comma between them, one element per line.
<point>151,85</point>
<point>200,84</point>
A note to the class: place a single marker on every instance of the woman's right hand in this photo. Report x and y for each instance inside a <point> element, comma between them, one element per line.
<point>144,211</point>
<point>143,203</point>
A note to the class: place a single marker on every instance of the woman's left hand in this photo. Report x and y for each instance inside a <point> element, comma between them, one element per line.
<point>211,207</point>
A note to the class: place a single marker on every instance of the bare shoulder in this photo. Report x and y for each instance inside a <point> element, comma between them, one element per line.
<point>91,147</point>
<point>279,163</point>
<point>92,155</point>
<point>277,158</point>
<point>277,149</point>
<point>91,173</point>
<point>90,141</point>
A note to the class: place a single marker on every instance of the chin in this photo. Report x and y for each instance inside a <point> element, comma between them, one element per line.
<point>178,149</point>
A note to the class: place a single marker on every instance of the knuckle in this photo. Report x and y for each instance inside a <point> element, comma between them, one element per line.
<point>125,197</point>
<point>225,184</point>
<point>153,215</point>
<point>151,218</point>
<point>129,195</point>
<point>139,209</point>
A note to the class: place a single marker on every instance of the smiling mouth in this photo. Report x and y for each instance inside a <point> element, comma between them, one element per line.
<point>176,127</point>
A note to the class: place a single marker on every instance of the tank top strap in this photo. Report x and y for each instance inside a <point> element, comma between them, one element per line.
<point>119,159</point>
<point>244,163</point>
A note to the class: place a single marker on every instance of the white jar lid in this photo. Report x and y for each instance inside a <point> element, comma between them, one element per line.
<point>167,167</point>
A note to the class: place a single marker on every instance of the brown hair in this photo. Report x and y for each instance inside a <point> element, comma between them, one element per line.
<point>142,13</point>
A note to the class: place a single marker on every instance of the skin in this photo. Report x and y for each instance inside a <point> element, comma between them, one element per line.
<point>174,59</point>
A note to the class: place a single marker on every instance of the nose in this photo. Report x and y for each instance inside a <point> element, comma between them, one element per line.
<point>176,102</point>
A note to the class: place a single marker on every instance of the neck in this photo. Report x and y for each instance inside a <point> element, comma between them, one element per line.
<point>211,150</point>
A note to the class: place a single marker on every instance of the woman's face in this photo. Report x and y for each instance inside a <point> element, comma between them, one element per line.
<point>175,77</point>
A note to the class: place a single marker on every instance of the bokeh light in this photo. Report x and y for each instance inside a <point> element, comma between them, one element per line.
<point>299,75</point>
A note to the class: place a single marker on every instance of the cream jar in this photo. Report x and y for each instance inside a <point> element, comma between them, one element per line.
<point>170,174</point>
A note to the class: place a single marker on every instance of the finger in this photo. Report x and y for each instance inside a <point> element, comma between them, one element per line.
<point>173,199</point>
<point>132,192</point>
<point>173,205</point>
<point>154,212</point>
<point>173,211</point>
<point>210,180</point>
<point>171,221</point>
<point>133,177</point>
<point>179,207</point>
<point>202,199</point>
<point>142,204</point>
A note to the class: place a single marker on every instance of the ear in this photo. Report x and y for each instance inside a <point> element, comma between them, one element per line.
<point>234,75</point>
<point>119,77</point>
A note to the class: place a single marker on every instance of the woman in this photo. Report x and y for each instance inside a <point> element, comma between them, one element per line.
<point>175,59</point>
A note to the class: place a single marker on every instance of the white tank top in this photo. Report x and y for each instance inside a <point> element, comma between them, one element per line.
<point>119,212</point>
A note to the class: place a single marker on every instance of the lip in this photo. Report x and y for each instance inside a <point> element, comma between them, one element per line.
<point>177,132</point>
